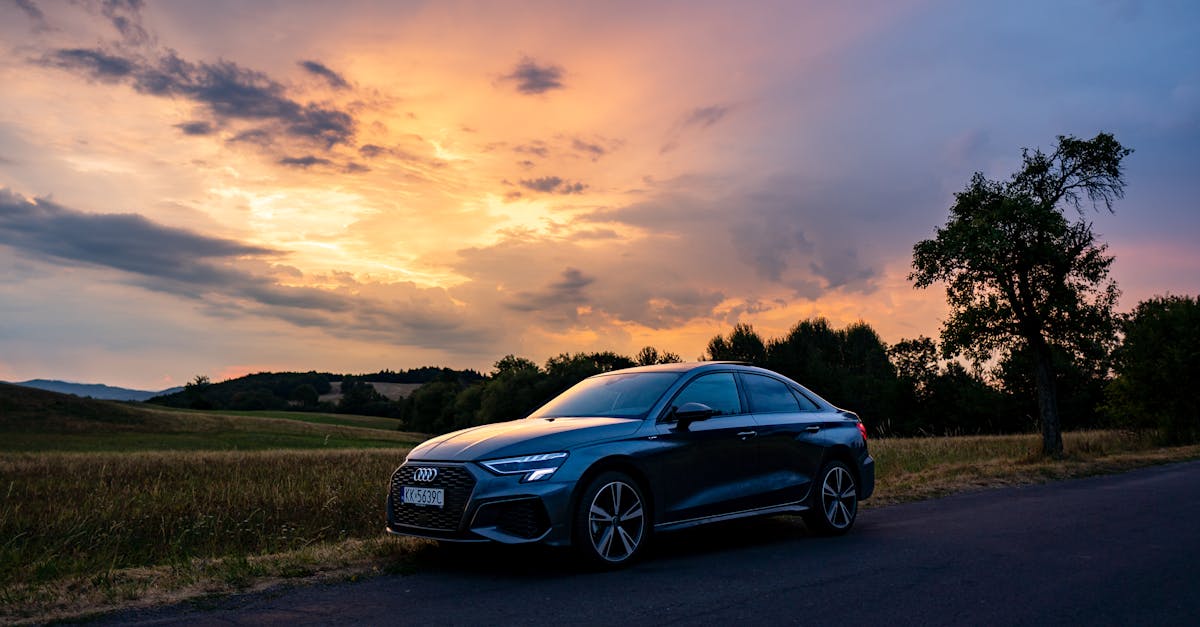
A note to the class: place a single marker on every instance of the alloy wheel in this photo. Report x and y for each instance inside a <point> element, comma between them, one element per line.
<point>839,497</point>
<point>616,521</point>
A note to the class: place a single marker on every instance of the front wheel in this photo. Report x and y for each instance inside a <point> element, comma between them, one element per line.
<point>833,505</point>
<point>612,523</point>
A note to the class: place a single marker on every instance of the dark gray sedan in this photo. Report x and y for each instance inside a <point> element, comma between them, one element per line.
<point>629,453</point>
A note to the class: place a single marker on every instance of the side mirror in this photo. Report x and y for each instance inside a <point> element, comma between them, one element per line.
<point>688,413</point>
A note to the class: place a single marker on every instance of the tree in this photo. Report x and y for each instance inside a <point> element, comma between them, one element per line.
<point>743,344</point>
<point>1157,365</point>
<point>1019,274</point>
<point>650,356</point>
<point>196,392</point>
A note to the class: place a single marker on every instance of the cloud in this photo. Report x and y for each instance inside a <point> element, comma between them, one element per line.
<point>306,161</point>
<point>230,278</point>
<point>595,151</point>
<point>34,14</point>
<point>226,90</point>
<point>532,78</point>
<point>99,65</point>
<point>126,17</point>
<point>553,184</point>
<point>536,148</point>
<point>705,117</point>
<point>559,300</point>
<point>699,118</point>
<point>125,241</point>
<point>196,128</point>
<point>334,79</point>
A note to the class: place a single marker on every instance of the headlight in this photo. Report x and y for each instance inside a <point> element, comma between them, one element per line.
<point>534,467</point>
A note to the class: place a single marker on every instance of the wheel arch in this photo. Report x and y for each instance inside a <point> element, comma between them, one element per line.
<point>615,463</point>
<point>844,454</point>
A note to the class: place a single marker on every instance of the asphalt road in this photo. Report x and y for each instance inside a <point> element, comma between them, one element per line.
<point>1115,550</point>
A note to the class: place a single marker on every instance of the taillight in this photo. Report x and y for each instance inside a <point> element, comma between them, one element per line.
<point>863,430</point>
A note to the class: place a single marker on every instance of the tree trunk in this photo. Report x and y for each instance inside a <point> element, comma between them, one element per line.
<point>1052,445</point>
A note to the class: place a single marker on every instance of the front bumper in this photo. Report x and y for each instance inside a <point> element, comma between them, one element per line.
<point>480,506</point>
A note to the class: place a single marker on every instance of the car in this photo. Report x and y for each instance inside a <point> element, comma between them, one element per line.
<point>630,453</point>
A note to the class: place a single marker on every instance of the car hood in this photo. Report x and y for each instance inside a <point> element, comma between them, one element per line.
<point>522,437</point>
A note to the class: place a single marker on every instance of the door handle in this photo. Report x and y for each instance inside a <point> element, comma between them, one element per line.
<point>746,435</point>
<point>812,428</point>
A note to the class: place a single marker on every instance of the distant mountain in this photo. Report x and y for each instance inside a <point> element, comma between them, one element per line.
<point>94,390</point>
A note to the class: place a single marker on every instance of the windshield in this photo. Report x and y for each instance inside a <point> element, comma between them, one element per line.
<point>618,395</point>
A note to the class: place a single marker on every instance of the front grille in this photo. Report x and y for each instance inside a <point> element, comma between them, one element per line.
<point>455,480</point>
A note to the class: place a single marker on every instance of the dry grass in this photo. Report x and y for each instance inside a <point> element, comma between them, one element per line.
<point>95,515</point>
<point>82,532</point>
<point>913,469</point>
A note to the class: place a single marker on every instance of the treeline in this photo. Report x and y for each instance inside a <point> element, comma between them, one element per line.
<point>910,388</point>
<point>1139,379</point>
<point>302,391</point>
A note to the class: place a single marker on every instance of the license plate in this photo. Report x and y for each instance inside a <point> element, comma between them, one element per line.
<point>423,497</point>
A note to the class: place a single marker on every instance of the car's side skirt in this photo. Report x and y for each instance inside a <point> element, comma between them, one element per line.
<point>796,506</point>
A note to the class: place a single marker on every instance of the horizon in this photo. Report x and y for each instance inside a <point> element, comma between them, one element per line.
<point>221,189</point>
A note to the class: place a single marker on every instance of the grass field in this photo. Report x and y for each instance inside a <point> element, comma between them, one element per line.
<point>83,531</point>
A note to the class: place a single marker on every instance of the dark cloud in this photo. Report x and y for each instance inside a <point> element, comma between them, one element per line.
<point>562,296</point>
<point>536,147</point>
<point>97,64</point>
<point>553,184</point>
<point>126,17</point>
<point>374,151</point>
<point>227,90</point>
<point>334,79</point>
<point>196,128</point>
<point>659,282</point>
<point>532,78</point>
<point>125,241</point>
<point>595,151</point>
<point>371,151</point>
<point>228,278</point>
<point>699,118</point>
<point>306,161</point>
<point>34,14</point>
<point>705,117</point>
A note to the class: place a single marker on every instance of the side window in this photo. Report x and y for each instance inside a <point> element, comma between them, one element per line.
<point>718,391</point>
<point>806,403</point>
<point>769,395</point>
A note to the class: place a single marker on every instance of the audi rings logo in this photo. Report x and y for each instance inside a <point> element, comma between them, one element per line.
<point>425,474</point>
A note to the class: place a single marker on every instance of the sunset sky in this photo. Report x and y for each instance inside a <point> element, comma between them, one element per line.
<point>229,187</point>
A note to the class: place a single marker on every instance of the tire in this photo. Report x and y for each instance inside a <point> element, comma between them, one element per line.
<point>612,522</point>
<point>833,504</point>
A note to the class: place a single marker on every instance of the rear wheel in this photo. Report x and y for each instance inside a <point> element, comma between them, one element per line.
<point>612,523</point>
<point>833,505</point>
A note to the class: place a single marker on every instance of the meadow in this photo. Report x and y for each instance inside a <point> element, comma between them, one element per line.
<point>82,529</point>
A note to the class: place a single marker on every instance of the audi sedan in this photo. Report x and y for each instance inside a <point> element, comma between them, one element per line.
<point>630,453</point>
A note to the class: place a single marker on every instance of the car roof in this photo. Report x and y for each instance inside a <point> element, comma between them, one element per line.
<point>687,366</point>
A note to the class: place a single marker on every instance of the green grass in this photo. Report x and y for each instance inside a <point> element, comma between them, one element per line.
<point>347,420</point>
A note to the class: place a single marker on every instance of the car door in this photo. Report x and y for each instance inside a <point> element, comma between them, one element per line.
<point>708,467</point>
<point>789,438</point>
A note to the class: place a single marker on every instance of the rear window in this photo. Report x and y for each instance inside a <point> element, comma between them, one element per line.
<point>769,395</point>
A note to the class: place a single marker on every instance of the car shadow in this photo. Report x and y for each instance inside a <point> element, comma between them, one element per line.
<point>538,562</point>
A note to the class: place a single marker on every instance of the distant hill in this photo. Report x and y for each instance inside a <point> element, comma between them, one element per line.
<point>39,420</point>
<point>94,390</point>
<point>377,393</point>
